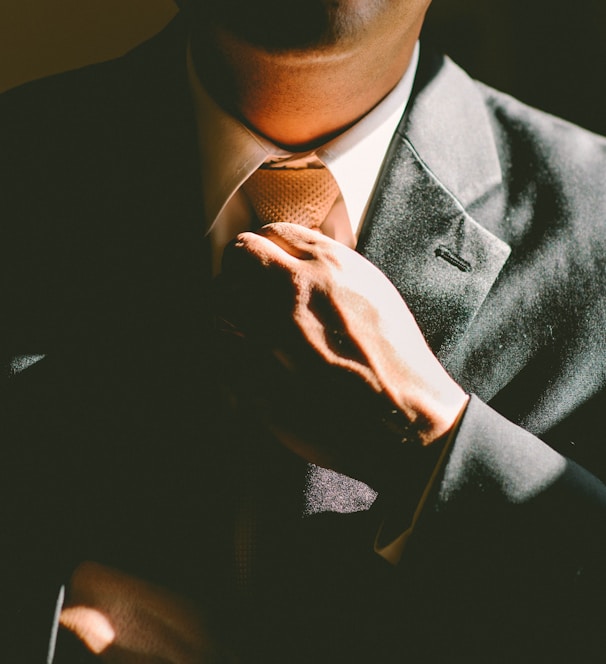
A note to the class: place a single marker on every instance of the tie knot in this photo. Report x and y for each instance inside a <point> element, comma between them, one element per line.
<point>300,196</point>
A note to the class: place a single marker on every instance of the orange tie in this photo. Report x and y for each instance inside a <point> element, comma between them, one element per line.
<point>299,195</point>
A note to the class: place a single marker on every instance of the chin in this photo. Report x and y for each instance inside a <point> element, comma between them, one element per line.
<point>278,25</point>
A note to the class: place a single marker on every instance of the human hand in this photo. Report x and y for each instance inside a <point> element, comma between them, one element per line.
<point>125,620</point>
<point>326,353</point>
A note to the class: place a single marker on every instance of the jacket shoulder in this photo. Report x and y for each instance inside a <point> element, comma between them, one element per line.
<point>544,149</point>
<point>89,158</point>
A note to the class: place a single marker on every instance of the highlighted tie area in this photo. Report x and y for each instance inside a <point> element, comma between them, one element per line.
<point>301,196</point>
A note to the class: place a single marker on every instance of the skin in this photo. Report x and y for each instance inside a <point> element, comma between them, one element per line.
<point>344,331</point>
<point>300,96</point>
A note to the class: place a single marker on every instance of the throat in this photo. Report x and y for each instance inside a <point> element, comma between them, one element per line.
<point>296,100</point>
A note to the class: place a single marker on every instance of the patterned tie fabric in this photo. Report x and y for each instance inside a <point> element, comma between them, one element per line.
<point>300,196</point>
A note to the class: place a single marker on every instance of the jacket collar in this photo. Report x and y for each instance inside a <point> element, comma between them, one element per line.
<point>449,127</point>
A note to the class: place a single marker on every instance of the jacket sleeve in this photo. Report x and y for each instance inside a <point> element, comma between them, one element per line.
<point>513,538</point>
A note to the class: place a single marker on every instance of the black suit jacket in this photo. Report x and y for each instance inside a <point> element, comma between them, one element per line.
<point>489,219</point>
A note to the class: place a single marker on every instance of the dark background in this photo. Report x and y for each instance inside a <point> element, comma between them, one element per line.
<point>549,53</point>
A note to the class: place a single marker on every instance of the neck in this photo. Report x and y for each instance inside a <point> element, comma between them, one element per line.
<point>301,99</point>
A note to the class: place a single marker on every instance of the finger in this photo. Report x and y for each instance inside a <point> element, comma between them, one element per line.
<point>252,268</point>
<point>299,242</point>
<point>90,625</point>
<point>251,251</point>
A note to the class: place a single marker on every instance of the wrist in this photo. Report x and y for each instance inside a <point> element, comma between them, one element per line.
<point>426,420</point>
<point>418,445</point>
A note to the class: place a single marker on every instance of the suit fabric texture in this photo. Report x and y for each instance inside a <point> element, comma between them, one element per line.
<point>489,218</point>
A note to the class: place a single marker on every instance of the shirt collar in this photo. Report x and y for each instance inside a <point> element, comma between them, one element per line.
<point>230,152</point>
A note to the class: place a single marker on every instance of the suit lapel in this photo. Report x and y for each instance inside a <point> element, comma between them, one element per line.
<point>442,160</point>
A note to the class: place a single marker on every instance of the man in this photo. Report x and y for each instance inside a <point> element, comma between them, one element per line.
<point>153,413</point>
